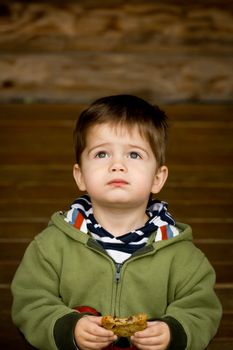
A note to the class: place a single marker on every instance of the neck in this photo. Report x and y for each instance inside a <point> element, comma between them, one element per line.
<point>120,221</point>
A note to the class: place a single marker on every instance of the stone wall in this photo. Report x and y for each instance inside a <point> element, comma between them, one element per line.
<point>74,51</point>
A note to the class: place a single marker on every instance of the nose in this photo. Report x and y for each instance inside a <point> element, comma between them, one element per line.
<point>117,166</point>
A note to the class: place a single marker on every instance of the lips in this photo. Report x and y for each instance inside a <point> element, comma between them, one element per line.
<point>118,182</point>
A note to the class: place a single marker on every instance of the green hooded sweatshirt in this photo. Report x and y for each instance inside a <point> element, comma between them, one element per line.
<point>64,268</point>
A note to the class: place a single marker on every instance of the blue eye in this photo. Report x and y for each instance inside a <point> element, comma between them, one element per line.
<point>134,155</point>
<point>101,154</point>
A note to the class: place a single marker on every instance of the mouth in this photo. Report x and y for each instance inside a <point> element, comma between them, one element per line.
<point>118,182</point>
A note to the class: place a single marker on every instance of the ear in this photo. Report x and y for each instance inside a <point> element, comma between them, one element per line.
<point>78,176</point>
<point>159,179</point>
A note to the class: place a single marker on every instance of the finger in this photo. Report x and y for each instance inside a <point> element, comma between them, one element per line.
<point>148,341</point>
<point>153,329</point>
<point>96,338</point>
<point>151,345</point>
<point>94,327</point>
<point>89,341</point>
<point>97,320</point>
<point>99,331</point>
<point>146,333</point>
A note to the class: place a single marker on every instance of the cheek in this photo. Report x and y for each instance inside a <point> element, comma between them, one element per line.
<point>144,180</point>
<point>145,172</point>
<point>91,179</point>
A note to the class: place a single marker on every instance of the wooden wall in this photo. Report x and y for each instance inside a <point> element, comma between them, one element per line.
<point>78,50</point>
<point>36,180</point>
<point>55,57</point>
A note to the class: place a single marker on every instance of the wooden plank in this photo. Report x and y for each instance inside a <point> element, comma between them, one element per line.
<point>37,172</point>
<point>220,344</point>
<point>59,113</point>
<point>127,27</point>
<point>223,272</point>
<point>199,112</point>
<point>31,158</point>
<point>10,337</point>
<point>212,229</point>
<point>25,228</point>
<point>217,251</point>
<point>36,209</point>
<point>54,114</point>
<point>198,193</point>
<point>13,251</point>
<point>186,211</point>
<point>32,138</point>
<point>199,175</point>
<point>225,328</point>
<point>7,271</point>
<point>75,78</point>
<point>225,293</point>
<point>46,192</point>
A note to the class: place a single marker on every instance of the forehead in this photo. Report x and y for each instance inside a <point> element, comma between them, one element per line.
<point>109,130</point>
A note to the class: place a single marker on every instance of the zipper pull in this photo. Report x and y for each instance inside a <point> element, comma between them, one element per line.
<point>118,272</point>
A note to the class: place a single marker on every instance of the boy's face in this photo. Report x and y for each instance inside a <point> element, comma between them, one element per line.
<point>118,168</point>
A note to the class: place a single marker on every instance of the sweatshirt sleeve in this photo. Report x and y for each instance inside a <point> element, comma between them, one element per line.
<point>178,335</point>
<point>194,305</point>
<point>37,305</point>
<point>64,331</point>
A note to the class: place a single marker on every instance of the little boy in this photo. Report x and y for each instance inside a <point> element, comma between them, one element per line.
<point>116,251</point>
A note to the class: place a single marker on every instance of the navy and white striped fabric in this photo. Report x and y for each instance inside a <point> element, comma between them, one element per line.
<point>121,248</point>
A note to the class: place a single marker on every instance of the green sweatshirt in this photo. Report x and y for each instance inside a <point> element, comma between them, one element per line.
<point>64,268</point>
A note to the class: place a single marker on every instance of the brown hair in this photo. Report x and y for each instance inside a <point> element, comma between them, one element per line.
<point>124,110</point>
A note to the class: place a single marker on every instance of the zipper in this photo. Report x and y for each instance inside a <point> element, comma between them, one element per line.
<point>97,247</point>
<point>92,244</point>
<point>115,304</point>
<point>118,272</point>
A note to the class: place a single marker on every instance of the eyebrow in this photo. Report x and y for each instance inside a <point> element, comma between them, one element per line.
<point>98,146</point>
<point>138,147</point>
<point>105,144</point>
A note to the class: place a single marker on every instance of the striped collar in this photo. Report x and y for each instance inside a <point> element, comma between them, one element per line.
<point>121,248</point>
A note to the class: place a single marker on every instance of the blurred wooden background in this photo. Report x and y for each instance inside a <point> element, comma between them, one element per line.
<point>56,57</point>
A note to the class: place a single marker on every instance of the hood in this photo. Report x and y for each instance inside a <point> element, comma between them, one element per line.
<point>58,222</point>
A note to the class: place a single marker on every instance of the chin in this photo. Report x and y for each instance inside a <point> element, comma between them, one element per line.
<point>121,202</point>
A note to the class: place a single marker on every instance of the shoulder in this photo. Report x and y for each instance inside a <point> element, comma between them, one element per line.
<point>189,261</point>
<point>53,238</point>
<point>52,233</point>
<point>183,251</point>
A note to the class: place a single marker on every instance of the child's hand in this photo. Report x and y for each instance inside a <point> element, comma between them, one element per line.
<point>155,337</point>
<point>89,334</point>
